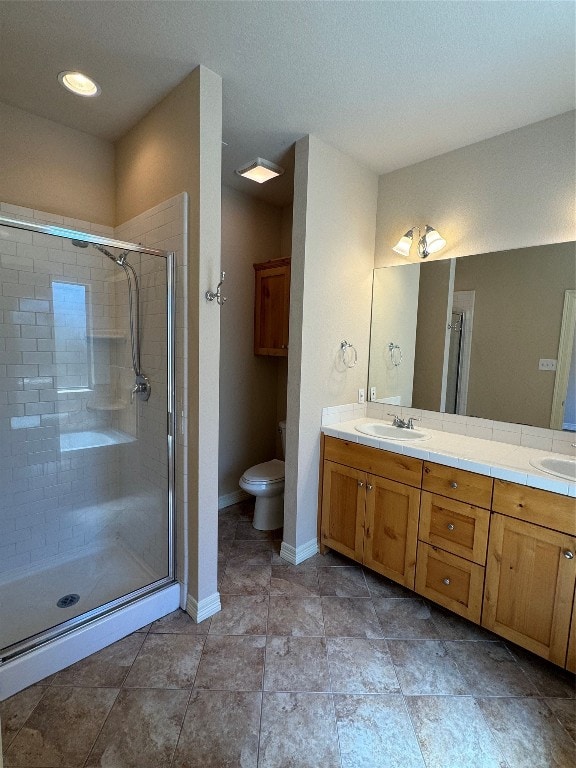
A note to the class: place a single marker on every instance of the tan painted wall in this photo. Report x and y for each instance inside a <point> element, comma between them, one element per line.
<point>332,260</point>
<point>431,329</point>
<point>49,167</point>
<point>176,148</point>
<point>248,384</point>
<point>510,191</point>
<point>517,318</point>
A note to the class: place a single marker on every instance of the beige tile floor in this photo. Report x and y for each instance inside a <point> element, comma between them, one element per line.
<point>323,665</point>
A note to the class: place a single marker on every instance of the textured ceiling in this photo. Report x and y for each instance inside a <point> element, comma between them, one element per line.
<point>389,83</point>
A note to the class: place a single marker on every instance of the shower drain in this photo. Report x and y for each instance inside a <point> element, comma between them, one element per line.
<point>68,600</point>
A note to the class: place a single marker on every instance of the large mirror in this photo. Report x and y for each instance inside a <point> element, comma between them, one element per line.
<point>490,335</point>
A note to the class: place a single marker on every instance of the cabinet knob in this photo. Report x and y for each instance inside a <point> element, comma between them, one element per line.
<point>450,526</point>
<point>360,484</point>
<point>568,555</point>
<point>369,487</point>
<point>453,484</point>
<point>446,581</point>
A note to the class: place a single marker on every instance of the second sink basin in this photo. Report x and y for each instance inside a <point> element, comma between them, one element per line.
<point>565,468</point>
<point>388,432</point>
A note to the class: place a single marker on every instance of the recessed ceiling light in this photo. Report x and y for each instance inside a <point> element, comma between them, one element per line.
<point>260,170</point>
<point>80,84</point>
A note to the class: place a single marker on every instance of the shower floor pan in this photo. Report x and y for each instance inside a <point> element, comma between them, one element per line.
<point>28,605</point>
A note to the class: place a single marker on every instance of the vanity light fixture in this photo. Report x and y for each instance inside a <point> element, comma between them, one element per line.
<point>430,242</point>
<point>260,170</point>
<point>78,83</point>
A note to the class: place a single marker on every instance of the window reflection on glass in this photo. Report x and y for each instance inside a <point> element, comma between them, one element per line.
<point>71,350</point>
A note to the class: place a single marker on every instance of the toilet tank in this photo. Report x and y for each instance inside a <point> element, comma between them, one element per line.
<point>282,428</point>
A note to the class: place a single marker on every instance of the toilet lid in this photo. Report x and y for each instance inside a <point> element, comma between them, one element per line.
<point>269,470</point>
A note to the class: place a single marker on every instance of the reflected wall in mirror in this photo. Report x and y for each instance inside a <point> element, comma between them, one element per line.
<point>490,335</point>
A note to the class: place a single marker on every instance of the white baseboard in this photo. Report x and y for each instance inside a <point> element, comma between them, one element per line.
<point>232,498</point>
<point>30,668</point>
<point>204,609</point>
<point>298,555</point>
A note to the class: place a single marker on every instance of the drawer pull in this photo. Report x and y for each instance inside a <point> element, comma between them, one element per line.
<point>446,581</point>
<point>568,555</point>
<point>360,484</point>
<point>369,487</point>
<point>453,484</point>
<point>450,526</point>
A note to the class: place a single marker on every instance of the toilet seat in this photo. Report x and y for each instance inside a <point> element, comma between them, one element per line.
<point>269,472</point>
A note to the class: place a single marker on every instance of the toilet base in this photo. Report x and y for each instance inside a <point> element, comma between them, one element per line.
<point>268,513</point>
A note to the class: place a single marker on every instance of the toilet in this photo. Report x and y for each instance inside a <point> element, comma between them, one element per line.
<point>266,482</point>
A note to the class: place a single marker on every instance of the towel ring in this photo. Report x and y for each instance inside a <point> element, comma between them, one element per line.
<point>349,362</point>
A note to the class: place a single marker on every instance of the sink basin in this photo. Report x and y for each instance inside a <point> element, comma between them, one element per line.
<point>565,468</point>
<point>388,432</point>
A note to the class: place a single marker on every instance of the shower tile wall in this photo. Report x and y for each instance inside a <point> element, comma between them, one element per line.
<point>49,497</point>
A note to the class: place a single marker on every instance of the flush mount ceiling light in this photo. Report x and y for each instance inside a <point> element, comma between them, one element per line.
<point>80,84</point>
<point>260,170</point>
<point>430,242</point>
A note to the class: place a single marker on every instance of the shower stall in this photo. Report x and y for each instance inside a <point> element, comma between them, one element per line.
<point>86,432</point>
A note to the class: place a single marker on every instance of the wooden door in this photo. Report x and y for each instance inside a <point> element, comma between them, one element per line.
<point>530,579</point>
<point>272,308</point>
<point>343,509</point>
<point>391,529</point>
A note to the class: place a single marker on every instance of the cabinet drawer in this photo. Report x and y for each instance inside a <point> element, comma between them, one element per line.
<point>451,581</point>
<point>393,466</point>
<point>457,484</point>
<point>454,526</point>
<point>534,506</point>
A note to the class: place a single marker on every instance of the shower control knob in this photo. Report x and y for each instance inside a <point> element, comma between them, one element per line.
<point>142,388</point>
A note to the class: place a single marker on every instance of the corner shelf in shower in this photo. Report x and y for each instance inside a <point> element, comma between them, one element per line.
<point>106,335</point>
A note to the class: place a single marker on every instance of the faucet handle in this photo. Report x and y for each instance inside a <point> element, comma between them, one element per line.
<point>410,422</point>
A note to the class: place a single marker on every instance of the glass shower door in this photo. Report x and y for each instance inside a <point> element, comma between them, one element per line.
<point>85,510</point>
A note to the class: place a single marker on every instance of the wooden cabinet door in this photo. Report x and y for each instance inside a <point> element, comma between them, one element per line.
<point>343,508</point>
<point>571,657</point>
<point>391,529</point>
<point>272,308</point>
<point>529,588</point>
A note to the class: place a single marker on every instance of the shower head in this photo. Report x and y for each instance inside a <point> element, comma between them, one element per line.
<point>116,259</point>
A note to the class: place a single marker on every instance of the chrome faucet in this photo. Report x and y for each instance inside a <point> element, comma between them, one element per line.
<point>398,422</point>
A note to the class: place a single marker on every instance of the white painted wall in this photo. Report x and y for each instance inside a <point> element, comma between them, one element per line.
<point>251,231</point>
<point>394,314</point>
<point>511,191</point>
<point>332,259</point>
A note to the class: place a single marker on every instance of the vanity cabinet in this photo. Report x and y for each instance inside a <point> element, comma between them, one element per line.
<point>271,307</point>
<point>531,571</point>
<point>369,507</point>
<point>499,554</point>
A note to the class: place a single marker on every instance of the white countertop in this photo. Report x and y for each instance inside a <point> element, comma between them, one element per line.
<point>486,457</point>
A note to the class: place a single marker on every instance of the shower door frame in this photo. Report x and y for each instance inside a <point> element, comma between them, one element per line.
<point>19,649</point>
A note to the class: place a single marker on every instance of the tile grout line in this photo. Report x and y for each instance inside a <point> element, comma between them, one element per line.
<point>118,693</point>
